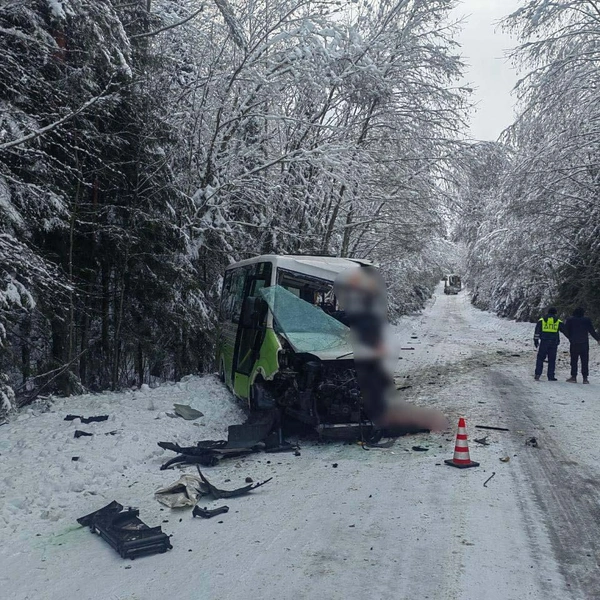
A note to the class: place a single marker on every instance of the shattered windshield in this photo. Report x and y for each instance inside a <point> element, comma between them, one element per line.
<point>306,327</point>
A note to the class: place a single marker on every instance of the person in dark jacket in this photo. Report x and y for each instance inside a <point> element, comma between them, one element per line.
<point>579,328</point>
<point>362,296</point>
<point>546,339</point>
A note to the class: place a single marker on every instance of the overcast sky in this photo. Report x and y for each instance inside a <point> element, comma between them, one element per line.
<point>488,71</point>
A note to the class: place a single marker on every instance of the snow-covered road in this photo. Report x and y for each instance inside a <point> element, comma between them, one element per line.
<point>391,523</point>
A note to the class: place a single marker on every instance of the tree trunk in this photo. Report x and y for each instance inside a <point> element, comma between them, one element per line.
<point>105,329</point>
<point>140,364</point>
<point>347,232</point>
<point>118,324</point>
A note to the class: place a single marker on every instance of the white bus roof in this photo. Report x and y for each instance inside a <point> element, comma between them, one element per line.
<point>323,267</point>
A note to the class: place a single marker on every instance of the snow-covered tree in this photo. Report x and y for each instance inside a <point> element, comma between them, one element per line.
<point>539,237</point>
<point>145,145</point>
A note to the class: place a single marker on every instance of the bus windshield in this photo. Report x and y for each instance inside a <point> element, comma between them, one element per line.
<point>306,327</point>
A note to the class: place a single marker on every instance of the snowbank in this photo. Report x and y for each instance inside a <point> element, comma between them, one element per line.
<point>41,480</point>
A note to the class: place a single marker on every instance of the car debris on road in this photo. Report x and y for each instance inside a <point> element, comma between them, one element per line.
<point>488,479</point>
<point>207,514</point>
<point>186,412</point>
<point>125,532</point>
<point>188,490</point>
<point>87,420</point>
<point>491,428</point>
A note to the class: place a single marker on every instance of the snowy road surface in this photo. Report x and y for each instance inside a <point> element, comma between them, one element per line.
<point>391,523</point>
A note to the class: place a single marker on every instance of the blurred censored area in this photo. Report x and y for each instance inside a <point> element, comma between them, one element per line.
<point>361,294</point>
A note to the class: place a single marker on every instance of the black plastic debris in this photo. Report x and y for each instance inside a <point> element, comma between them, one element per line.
<point>251,433</point>
<point>274,443</point>
<point>218,494</point>
<point>125,532</point>
<point>206,453</point>
<point>87,420</point>
<point>262,432</point>
<point>207,514</point>
<point>79,433</point>
<point>491,428</point>
<point>420,449</point>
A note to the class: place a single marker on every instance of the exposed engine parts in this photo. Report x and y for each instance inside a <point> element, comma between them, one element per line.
<point>314,391</point>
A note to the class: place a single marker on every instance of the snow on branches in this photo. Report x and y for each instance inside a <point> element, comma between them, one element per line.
<point>535,236</point>
<point>146,145</point>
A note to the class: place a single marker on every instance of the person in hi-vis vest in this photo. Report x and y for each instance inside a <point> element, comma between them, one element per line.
<point>546,340</point>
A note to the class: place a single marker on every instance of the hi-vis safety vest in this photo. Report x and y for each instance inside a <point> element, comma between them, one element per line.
<point>551,325</point>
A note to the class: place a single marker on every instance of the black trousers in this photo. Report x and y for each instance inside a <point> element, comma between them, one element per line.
<point>546,350</point>
<point>580,351</point>
<point>374,385</point>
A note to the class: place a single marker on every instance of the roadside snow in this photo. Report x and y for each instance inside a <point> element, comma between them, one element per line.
<point>44,486</point>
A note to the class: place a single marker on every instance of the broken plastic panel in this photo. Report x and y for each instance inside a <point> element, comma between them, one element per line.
<point>125,532</point>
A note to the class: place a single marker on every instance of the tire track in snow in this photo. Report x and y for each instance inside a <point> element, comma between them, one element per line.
<point>565,493</point>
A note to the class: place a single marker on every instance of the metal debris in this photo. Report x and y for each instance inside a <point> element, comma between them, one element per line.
<point>492,428</point>
<point>488,479</point>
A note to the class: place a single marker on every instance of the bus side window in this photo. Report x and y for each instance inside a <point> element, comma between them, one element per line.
<point>238,283</point>
<point>232,295</point>
<point>263,274</point>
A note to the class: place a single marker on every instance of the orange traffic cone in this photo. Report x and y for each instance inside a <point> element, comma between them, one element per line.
<point>461,459</point>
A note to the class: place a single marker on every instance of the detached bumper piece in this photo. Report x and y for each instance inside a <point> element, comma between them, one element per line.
<point>261,432</point>
<point>125,532</point>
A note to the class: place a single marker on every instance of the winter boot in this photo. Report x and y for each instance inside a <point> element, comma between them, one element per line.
<point>573,380</point>
<point>552,379</point>
<point>585,380</point>
<point>536,377</point>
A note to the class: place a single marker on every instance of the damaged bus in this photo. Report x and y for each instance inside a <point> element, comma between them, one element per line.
<point>281,343</point>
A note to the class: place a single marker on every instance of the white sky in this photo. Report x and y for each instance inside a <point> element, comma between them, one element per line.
<point>489,73</point>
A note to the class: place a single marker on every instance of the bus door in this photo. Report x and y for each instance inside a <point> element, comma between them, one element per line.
<point>251,328</point>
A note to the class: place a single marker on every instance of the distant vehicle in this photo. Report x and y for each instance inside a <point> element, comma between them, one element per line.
<point>279,344</point>
<point>452,284</point>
